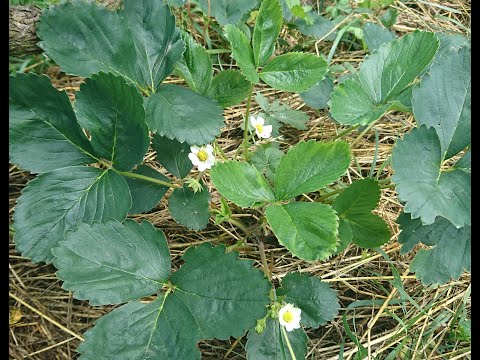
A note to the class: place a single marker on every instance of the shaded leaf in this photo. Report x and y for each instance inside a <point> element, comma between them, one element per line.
<point>321,26</point>
<point>375,36</point>
<point>308,230</point>
<point>191,209</point>
<point>229,88</point>
<point>227,11</point>
<point>172,155</point>
<point>266,159</point>
<point>318,95</point>
<point>242,52</point>
<point>136,264</point>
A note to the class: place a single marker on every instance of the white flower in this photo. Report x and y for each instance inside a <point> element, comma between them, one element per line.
<point>289,316</point>
<point>202,156</point>
<point>262,130</point>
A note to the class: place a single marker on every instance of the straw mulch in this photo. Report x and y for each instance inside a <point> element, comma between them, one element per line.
<point>46,322</point>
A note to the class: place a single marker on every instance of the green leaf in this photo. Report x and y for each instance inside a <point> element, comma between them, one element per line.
<point>318,96</point>
<point>206,303</point>
<point>443,100</point>
<point>172,155</point>
<point>294,71</point>
<point>145,194</point>
<point>318,302</point>
<point>241,183</point>
<point>136,265</point>
<point>354,206</point>
<point>271,345</point>
<point>382,77</point>
<point>451,252</point>
<point>195,66</point>
<point>242,52</point>
<point>427,190</point>
<point>265,33</point>
<point>310,166</point>
<point>229,88</point>
<point>42,124</point>
<point>308,230</point>
<point>389,17</point>
<point>157,41</point>
<point>227,11</point>
<point>191,209</point>
<point>57,201</point>
<point>112,113</point>
<point>375,36</point>
<point>448,43</point>
<point>321,26</point>
<point>179,113</point>
<point>266,159</point>
<point>140,43</point>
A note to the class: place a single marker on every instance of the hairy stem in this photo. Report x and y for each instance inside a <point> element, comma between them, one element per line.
<point>247,115</point>
<point>289,346</point>
<point>266,268</point>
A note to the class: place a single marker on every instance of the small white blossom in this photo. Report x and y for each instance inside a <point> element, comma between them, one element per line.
<point>263,131</point>
<point>202,156</point>
<point>289,316</point>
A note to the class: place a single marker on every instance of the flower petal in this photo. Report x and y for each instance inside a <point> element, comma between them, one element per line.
<point>194,159</point>
<point>253,121</point>
<point>260,120</point>
<point>202,166</point>
<point>194,149</point>
<point>209,149</point>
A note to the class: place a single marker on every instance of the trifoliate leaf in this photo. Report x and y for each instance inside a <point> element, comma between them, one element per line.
<point>112,113</point>
<point>318,95</point>
<point>113,263</point>
<point>308,230</point>
<point>310,166</point>
<point>242,52</point>
<point>318,302</point>
<point>265,33</point>
<point>266,160</point>
<point>145,194</point>
<point>227,11</point>
<point>382,77</point>
<point>172,155</point>
<point>195,66</point>
<point>443,100</point>
<point>354,206</point>
<point>451,252</point>
<point>179,113</point>
<point>375,36</point>
<point>427,190</point>
<point>140,43</point>
<point>189,208</point>
<point>44,133</point>
<point>205,301</point>
<point>57,201</point>
<point>294,72</point>
<point>271,344</point>
<point>241,183</point>
<point>229,88</point>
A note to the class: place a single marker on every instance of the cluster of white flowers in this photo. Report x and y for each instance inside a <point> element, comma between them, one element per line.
<point>289,317</point>
<point>263,131</point>
<point>202,156</point>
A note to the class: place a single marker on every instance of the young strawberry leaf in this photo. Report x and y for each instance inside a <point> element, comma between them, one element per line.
<point>208,302</point>
<point>354,206</point>
<point>241,183</point>
<point>179,113</point>
<point>309,166</point>
<point>449,78</point>
<point>191,209</point>
<point>195,66</point>
<point>294,71</point>
<point>227,11</point>
<point>229,88</point>
<point>271,345</point>
<point>140,43</point>
<point>112,113</point>
<point>172,155</point>
<point>318,302</point>
<point>42,123</point>
<point>266,159</point>
<point>382,77</point>
<point>57,201</point>
<point>136,265</point>
<point>428,190</point>
<point>145,194</point>
<point>308,230</point>
<point>449,256</point>
<point>267,28</point>
<point>242,52</point>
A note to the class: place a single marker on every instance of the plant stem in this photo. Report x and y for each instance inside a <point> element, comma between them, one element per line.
<point>266,269</point>
<point>239,224</point>
<point>345,132</point>
<point>147,178</point>
<point>219,150</point>
<point>247,115</point>
<point>321,198</point>
<point>289,346</point>
<point>359,137</point>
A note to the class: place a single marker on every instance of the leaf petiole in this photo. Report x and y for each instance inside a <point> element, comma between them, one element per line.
<point>147,178</point>
<point>289,346</point>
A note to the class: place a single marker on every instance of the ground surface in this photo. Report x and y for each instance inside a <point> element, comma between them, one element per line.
<point>47,323</point>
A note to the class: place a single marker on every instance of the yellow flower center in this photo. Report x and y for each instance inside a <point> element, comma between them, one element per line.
<point>259,128</point>
<point>202,155</point>
<point>287,316</point>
